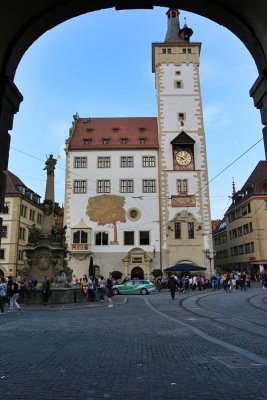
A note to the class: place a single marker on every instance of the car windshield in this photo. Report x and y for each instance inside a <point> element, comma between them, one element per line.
<point>130,283</point>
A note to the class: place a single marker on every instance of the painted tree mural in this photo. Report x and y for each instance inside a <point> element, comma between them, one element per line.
<point>107,209</point>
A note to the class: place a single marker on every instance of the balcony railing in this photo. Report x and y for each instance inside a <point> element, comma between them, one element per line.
<point>81,248</point>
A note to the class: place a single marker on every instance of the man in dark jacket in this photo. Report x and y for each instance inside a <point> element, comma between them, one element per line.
<point>46,289</point>
<point>173,284</point>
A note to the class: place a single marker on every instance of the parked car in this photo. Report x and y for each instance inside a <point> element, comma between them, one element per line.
<point>136,286</point>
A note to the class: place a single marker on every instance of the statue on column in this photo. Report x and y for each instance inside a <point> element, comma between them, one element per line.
<point>46,249</point>
<point>50,165</point>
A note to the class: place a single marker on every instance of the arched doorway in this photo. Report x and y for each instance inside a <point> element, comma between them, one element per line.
<point>137,273</point>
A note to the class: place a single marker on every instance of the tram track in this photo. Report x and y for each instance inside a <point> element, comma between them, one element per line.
<point>243,325</point>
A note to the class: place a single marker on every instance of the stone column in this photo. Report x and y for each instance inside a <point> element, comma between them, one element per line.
<point>49,201</point>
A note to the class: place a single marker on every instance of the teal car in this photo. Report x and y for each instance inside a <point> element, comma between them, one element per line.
<point>135,286</point>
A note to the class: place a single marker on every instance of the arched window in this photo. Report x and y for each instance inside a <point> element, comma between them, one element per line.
<point>80,237</point>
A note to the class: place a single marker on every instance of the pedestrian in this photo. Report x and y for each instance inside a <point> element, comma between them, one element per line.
<point>213,282</point>
<point>158,284</point>
<point>233,283</point>
<point>46,290</point>
<point>110,293</point>
<point>13,296</point>
<point>263,278</point>
<point>3,294</point>
<point>172,284</point>
<point>102,287</point>
<point>247,280</point>
<point>91,289</point>
<point>242,281</point>
<point>23,290</point>
<point>32,284</point>
<point>84,283</point>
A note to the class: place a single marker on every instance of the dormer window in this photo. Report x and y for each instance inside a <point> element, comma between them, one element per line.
<point>90,130</point>
<point>21,189</point>
<point>124,140</point>
<point>115,130</point>
<point>142,141</point>
<point>86,141</point>
<point>142,130</point>
<point>105,141</point>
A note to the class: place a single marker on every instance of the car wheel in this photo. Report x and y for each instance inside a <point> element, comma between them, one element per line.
<point>115,291</point>
<point>143,291</point>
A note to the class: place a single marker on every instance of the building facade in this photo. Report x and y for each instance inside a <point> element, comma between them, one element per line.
<point>241,239</point>
<point>137,188</point>
<point>22,210</point>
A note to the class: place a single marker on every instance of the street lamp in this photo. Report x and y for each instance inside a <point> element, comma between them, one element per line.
<point>210,255</point>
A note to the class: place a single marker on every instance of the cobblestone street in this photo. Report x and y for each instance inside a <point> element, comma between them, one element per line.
<point>204,345</point>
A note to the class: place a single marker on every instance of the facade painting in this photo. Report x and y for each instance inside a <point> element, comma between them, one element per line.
<point>107,209</point>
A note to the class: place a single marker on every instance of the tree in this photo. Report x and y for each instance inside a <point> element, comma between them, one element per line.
<point>116,275</point>
<point>107,209</point>
<point>156,273</point>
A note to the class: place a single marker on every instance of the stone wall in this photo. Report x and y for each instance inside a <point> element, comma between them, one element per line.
<point>58,296</point>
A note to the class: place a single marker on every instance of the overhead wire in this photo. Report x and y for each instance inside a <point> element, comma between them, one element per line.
<point>140,198</point>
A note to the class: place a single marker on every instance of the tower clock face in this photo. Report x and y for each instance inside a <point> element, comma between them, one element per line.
<point>183,158</point>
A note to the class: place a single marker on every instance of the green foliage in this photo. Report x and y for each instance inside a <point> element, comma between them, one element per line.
<point>116,275</point>
<point>157,272</point>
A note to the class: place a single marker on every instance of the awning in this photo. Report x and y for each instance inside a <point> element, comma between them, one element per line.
<point>263,262</point>
<point>184,267</point>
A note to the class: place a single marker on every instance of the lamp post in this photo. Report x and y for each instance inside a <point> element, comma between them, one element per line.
<point>210,255</point>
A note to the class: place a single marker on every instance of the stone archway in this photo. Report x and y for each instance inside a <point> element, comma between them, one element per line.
<point>23,26</point>
<point>137,273</point>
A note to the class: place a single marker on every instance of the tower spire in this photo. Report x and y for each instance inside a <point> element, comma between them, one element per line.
<point>233,187</point>
<point>174,32</point>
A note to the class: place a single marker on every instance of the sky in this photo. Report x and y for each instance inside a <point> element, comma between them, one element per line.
<point>100,65</point>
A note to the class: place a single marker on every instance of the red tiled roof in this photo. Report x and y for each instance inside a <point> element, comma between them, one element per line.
<point>94,130</point>
<point>12,182</point>
<point>256,185</point>
<point>257,181</point>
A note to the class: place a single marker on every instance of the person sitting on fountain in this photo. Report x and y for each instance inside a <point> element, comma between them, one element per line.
<point>84,283</point>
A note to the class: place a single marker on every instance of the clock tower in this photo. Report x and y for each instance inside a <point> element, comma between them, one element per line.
<point>185,228</point>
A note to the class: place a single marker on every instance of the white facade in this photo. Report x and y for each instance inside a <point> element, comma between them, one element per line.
<point>109,257</point>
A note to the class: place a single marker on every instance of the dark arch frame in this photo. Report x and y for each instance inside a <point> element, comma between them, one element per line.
<point>35,18</point>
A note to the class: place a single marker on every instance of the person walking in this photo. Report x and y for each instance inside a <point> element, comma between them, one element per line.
<point>91,289</point>
<point>172,284</point>
<point>46,290</point>
<point>110,293</point>
<point>102,287</point>
<point>3,294</point>
<point>13,296</point>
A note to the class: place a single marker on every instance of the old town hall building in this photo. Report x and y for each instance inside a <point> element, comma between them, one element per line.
<point>137,195</point>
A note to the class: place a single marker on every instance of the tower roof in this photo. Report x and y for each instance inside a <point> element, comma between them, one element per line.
<point>174,32</point>
<point>183,138</point>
